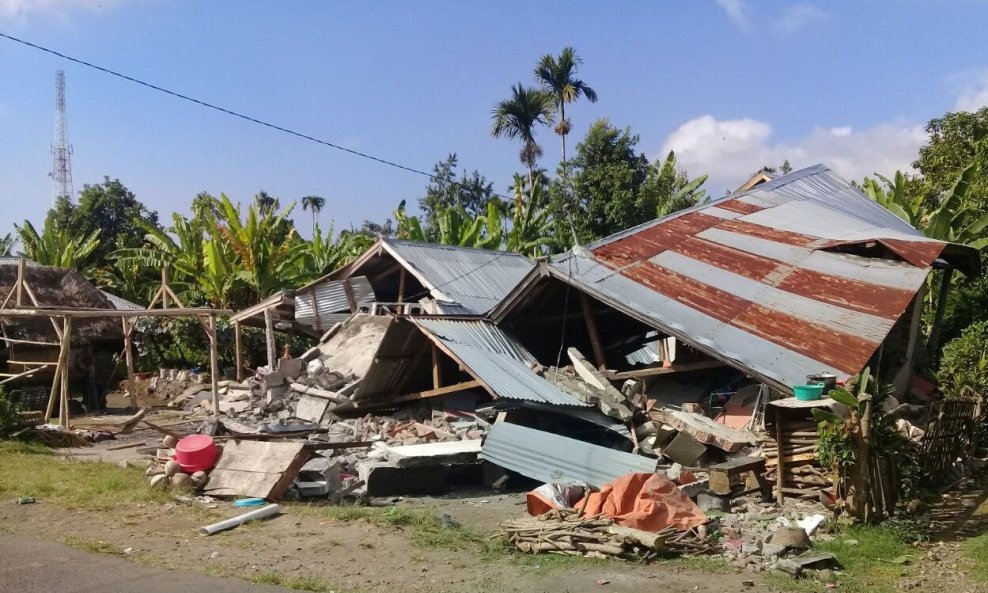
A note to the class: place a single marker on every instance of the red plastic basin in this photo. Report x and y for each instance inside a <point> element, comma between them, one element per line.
<point>196,452</point>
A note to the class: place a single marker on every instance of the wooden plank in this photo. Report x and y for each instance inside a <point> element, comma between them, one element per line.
<point>432,392</point>
<point>21,264</point>
<point>676,368</point>
<point>401,285</point>
<point>437,375</point>
<point>63,416</point>
<point>238,350</point>
<point>591,323</point>
<point>258,456</point>
<point>129,356</point>
<point>263,469</point>
<point>214,365</point>
<point>82,313</point>
<point>13,377</point>
<point>231,482</point>
<point>780,459</point>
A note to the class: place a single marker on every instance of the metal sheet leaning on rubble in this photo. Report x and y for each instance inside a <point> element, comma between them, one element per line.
<point>549,457</point>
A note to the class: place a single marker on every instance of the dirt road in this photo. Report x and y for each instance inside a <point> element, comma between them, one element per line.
<point>38,566</point>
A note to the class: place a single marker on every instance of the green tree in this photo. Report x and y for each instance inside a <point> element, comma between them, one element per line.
<point>956,140</point>
<point>672,189</point>
<point>314,204</point>
<point>531,231</point>
<point>109,208</point>
<point>557,75</point>
<point>58,247</point>
<point>518,117</point>
<point>454,226</point>
<point>470,191</point>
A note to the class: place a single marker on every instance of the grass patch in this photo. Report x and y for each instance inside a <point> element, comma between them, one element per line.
<point>93,546</point>
<point>297,583</point>
<point>874,564</point>
<point>31,470</point>
<point>976,550</point>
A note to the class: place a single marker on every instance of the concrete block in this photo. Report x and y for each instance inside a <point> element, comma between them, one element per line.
<point>274,379</point>
<point>684,449</point>
<point>291,367</point>
<point>384,479</point>
<point>711,502</point>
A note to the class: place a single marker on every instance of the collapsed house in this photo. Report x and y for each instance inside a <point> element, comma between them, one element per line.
<point>671,348</point>
<point>31,345</point>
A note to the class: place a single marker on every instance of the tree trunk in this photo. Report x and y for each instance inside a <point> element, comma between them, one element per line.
<point>941,305</point>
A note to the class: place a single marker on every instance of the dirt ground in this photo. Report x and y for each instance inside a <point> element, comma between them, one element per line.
<point>350,555</point>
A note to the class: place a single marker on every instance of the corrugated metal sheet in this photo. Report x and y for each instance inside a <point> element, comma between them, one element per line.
<point>549,457</point>
<point>120,303</point>
<point>751,278</point>
<point>393,362</point>
<point>476,279</point>
<point>496,359</point>
<point>331,301</point>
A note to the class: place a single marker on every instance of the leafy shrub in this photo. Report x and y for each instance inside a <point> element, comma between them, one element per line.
<point>964,365</point>
<point>10,421</point>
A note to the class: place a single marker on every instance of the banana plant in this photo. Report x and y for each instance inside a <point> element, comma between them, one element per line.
<point>531,220</point>
<point>893,195</point>
<point>953,220</point>
<point>58,247</point>
<point>6,244</point>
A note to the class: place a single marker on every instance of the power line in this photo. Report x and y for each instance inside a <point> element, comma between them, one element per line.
<point>226,111</point>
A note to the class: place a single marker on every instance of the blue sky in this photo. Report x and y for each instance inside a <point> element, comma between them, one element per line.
<point>731,84</point>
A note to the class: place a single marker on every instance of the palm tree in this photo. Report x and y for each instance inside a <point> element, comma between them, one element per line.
<point>315,205</point>
<point>558,78</point>
<point>266,203</point>
<point>517,118</point>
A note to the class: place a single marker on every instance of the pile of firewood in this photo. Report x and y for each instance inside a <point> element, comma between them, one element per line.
<point>566,532</point>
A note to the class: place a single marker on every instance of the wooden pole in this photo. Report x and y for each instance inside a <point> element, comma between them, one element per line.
<point>269,338</point>
<point>214,365</point>
<point>779,469</point>
<point>437,375</point>
<point>238,352</point>
<point>164,287</point>
<point>129,357</point>
<point>21,264</point>
<point>63,416</point>
<point>401,286</point>
<point>591,321</point>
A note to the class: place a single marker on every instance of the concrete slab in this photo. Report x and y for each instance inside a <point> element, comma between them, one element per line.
<point>446,453</point>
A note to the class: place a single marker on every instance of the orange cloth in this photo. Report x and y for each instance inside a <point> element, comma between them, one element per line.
<point>650,502</point>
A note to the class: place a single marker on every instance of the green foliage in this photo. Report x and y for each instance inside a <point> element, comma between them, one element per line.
<point>108,208</point>
<point>7,244</point>
<point>964,364</point>
<point>10,420</point>
<point>956,140</point>
<point>897,197</point>
<point>531,219</point>
<point>557,75</point>
<point>614,187</point>
<point>58,247</point>
<point>454,226</point>
<point>471,192</point>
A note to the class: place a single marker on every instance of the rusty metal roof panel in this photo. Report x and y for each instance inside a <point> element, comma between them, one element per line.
<point>476,279</point>
<point>753,278</point>
<point>549,457</point>
<point>496,359</point>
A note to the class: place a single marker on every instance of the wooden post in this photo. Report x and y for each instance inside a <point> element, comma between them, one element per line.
<point>779,469</point>
<point>129,357</point>
<point>56,381</point>
<point>214,365</point>
<point>63,416</point>
<point>269,337</point>
<point>164,287</point>
<point>401,286</point>
<point>437,375</point>
<point>237,351</point>
<point>315,309</point>
<point>21,264</point>
<point>598,350</point>
<point>941,306</point>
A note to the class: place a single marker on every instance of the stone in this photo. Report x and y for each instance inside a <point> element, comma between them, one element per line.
<point>789,567</point>
<point>169,441</point>
<point>172,467</point>
<point>199,478</point>
<point>711,502</point>
<point>274,379</point>
<point>180,480</point>
<point>770,549</point>
<point>159,481</point>
<point>791,537</point>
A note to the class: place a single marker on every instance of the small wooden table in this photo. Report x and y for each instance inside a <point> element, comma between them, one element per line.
<point>720,475</point>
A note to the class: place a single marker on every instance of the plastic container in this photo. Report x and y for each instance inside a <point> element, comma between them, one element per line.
<point>808,392</point>
<point>196,453</point>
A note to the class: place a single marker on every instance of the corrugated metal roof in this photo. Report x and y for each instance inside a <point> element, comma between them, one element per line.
<point>393,363</point>
<point>752,278</point>
<point>496,359</point>
<point>476,279</point>
<point>120,303</point>
<point>552,458</point>
<point>331,301</point>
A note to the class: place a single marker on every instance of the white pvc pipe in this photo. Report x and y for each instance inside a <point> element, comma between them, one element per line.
<point>261,513</point>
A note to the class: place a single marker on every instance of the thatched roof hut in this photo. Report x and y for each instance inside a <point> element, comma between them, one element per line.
<point>57,287</point>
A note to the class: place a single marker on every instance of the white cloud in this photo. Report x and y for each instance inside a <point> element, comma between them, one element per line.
<point>731,150</point>
<point>973,93</point>
<point>799,16</point>
<point>737,11</point>
<point>21,10</point>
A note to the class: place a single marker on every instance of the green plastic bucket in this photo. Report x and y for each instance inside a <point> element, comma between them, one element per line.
<point>808,392</point>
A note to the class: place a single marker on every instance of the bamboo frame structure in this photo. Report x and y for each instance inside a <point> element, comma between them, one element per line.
<point>65,315</point>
